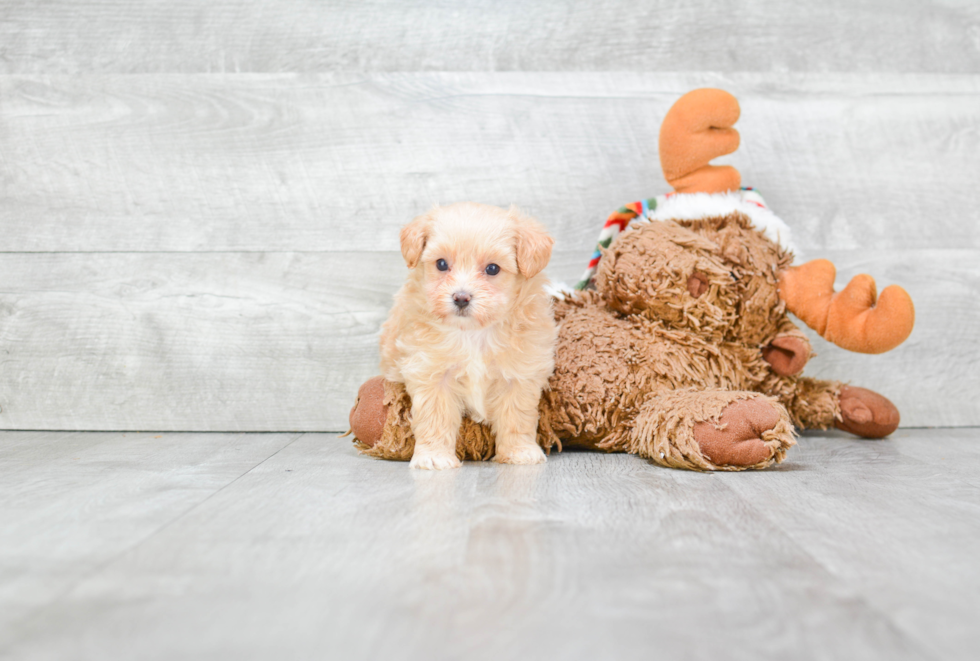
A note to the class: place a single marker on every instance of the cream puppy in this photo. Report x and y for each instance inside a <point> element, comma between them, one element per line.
<point>472,330</point>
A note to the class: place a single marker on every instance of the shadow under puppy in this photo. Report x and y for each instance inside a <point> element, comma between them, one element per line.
<point>472,330</point>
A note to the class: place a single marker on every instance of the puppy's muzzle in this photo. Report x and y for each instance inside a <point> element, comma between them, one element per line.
<point>461,299</point>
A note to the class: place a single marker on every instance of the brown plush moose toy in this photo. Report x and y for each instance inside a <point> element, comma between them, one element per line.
<point>678,346</point>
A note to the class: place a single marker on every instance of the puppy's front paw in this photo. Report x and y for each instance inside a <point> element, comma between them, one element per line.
<point>526,454</point>
<point>433,462</point>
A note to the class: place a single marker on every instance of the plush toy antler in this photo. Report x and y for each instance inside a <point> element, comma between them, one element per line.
<point>697,129</point>
<point>854,318</point>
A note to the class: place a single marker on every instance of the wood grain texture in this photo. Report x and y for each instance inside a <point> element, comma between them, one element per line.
<point>189,193</point>
<point>339,162</point>
<point>851,549</point>
<point>72,503</point>
<point>254,341</point>
<point>150,36</point>
<point>281,341</point>
<point>903,554</point>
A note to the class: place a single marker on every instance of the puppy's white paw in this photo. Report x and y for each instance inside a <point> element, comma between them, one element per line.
<point>525,454</point>
<point>433,462</point>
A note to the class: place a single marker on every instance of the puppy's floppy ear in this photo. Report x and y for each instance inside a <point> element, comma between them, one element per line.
<point>533,244</point>
<point>413,237</point>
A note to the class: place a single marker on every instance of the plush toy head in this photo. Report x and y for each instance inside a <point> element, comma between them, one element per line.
<point>711,270</point>
<point>717,276</point>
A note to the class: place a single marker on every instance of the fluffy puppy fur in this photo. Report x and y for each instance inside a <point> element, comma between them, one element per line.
<point>466,337</point>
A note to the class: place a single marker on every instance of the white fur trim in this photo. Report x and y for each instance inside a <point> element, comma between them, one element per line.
<point>691,206</point>
<point>558,290</point>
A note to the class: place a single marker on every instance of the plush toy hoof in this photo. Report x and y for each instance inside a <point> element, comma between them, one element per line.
<point>367,416</point>
<point>865,413</point>
<point>736,439</point>
<point>787,354</point>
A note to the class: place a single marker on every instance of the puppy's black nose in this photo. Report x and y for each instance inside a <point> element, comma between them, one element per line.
<point>461,299</point>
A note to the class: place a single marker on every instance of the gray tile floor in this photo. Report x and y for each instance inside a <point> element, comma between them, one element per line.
<point>292,546</point>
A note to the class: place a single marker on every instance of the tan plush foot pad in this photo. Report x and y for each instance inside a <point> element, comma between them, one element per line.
<point>367,416</point>
<point>736,439</point>
<point>866,413</point>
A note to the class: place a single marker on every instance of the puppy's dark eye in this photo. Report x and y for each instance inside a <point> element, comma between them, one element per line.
<point>492,269</point>
<point>442,265</point>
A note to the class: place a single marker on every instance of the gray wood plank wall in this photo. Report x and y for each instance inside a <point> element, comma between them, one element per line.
<point>186,36</point>
<point>199,204</point>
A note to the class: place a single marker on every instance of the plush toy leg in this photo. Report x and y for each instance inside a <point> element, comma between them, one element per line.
<point>820,404</point>
<point>379,420</point>
<point>700,430</point>
<point>813,403</point>
<point>866,413</point>
<point>712,430</point>
<point>381,423</point>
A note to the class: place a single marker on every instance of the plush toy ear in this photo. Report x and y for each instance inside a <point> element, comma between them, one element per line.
<point>413,237</point>
<point>533,244</point>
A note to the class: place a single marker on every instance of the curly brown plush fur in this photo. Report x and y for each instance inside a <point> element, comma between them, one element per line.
<point>739,312</point>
